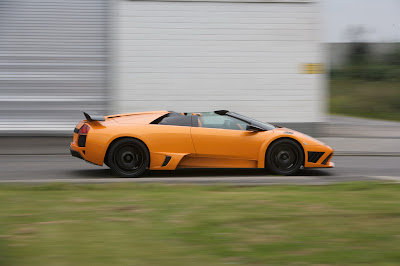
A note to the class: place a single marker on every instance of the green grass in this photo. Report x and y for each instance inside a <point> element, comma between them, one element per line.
<point>128,224</point>
<point>369,99</point>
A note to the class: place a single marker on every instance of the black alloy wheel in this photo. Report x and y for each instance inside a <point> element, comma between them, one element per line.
<point>128,158</point>
<point>284,157</point>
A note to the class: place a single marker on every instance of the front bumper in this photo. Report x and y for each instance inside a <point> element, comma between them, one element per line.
<point>328,165</point>
<point>324,161</point>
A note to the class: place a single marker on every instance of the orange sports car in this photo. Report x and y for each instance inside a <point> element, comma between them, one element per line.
<point>132,143</point>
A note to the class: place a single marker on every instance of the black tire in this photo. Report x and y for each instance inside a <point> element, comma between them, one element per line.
<point>284,157</point>
<point>128,158</point>
<point>106,161</point>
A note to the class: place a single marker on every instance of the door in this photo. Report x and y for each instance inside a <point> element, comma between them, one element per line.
<point>170,140</point>
<point>222,136</point>
<point>171,134</point>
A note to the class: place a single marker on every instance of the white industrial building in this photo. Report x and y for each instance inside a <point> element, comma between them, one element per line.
<point>259,58</point>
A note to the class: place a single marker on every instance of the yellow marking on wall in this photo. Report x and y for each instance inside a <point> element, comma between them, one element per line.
<point>312,68</point>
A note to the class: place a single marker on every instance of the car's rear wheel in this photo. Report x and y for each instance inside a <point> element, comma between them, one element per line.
<point>284,157</point>
<point>128,158</point>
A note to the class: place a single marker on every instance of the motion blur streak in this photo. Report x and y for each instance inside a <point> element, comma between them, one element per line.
<point>53,63</point>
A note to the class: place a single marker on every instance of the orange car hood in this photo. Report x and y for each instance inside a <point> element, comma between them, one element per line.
<point>306,139</point>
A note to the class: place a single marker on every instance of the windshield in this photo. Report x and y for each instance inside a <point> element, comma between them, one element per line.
<point>252,121</point>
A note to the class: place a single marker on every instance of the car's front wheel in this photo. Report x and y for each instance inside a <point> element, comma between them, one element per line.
<point>128,158</point>
<point>284,157</point>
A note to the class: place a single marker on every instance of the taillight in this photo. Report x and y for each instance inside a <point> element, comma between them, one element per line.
<point>84,130</point>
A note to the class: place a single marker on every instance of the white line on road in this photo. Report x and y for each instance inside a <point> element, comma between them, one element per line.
<point>389,178</point>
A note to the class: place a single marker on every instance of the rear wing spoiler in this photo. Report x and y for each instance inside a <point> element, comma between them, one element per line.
<point>93,117</point>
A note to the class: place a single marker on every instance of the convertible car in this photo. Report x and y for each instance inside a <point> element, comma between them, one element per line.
<point>132,143</point>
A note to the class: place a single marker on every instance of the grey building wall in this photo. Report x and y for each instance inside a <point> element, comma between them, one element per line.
<point>208,55</point>
<point>54,59</point>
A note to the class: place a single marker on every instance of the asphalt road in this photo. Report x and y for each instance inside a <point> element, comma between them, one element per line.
<point>64,168</point>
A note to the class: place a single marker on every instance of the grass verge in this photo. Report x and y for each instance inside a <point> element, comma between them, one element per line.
<point>132,224</point>
<point>369,99</point>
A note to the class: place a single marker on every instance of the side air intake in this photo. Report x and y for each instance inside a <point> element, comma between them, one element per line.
<point>313,156</point>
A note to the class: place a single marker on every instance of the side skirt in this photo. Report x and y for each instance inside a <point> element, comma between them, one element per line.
<point>191,161</point>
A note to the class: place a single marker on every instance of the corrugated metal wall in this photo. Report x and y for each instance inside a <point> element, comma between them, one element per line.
<point>197,56</point>
<point>52,63</point>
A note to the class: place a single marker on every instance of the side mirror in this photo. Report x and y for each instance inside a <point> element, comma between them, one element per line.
<point>254,128</point>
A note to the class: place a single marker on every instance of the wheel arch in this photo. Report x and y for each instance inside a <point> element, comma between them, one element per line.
<point>118,139</point>
<point>263,153</point>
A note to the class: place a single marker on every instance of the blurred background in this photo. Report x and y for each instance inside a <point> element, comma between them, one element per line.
<point>329,68</point>
<point>291,62</point>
